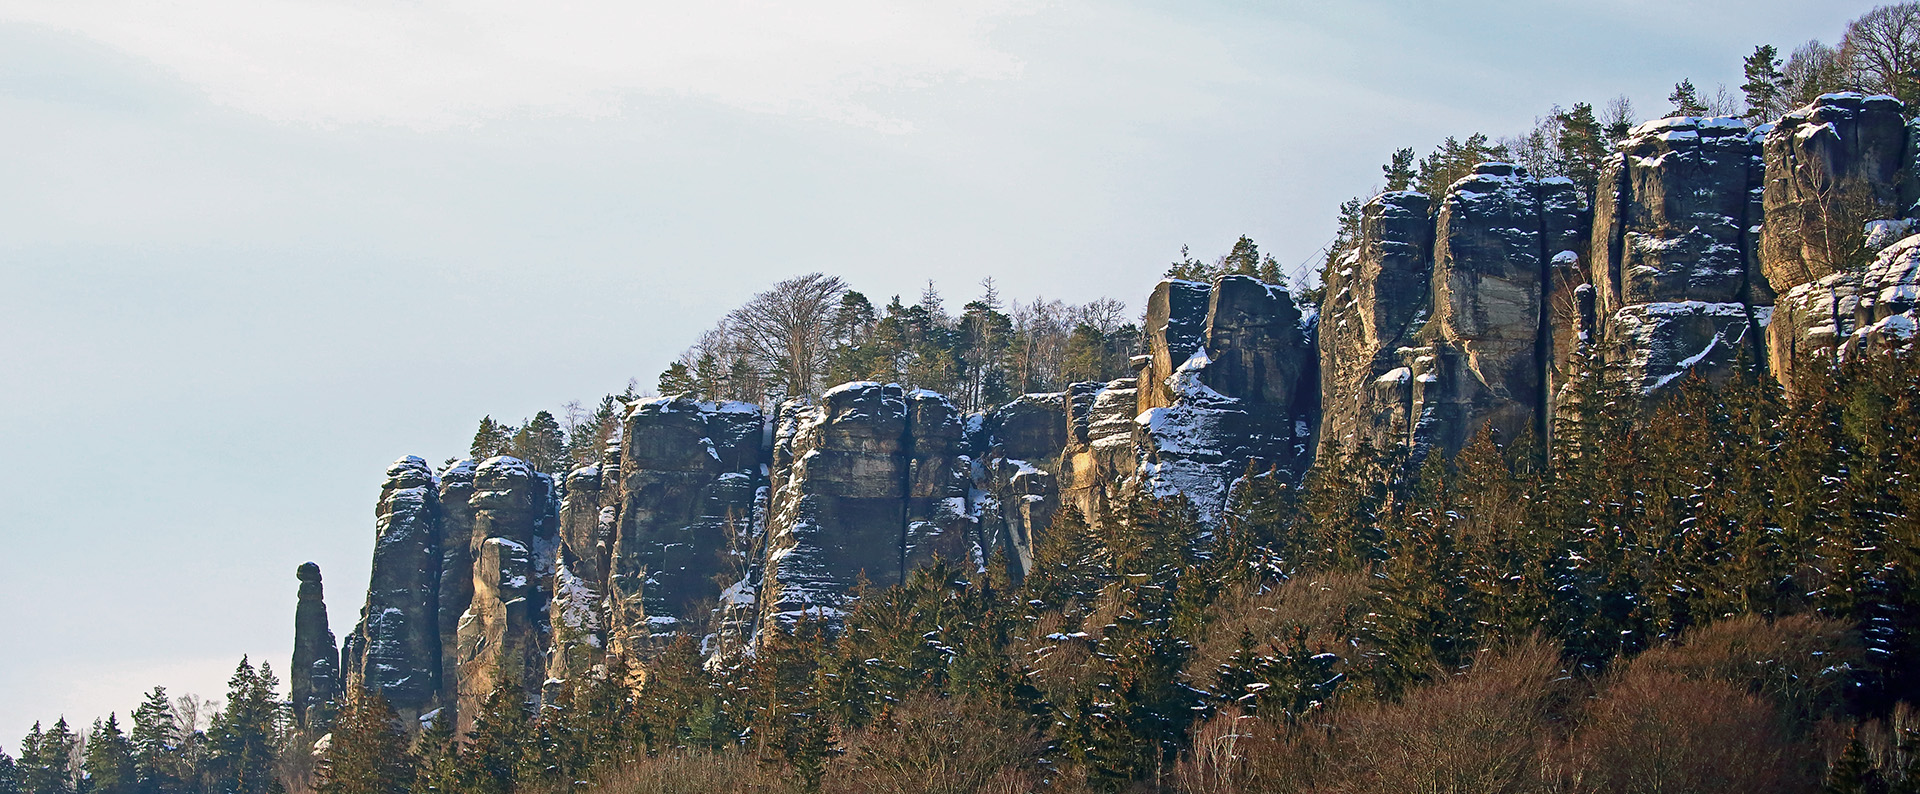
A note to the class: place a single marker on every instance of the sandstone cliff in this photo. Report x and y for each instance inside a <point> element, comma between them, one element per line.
<point>1453,316</point>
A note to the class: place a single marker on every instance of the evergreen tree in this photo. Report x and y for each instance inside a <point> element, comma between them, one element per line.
<point>368,753</point>
<point>678,380</point>
<point>1581,148</point>
<point>9,774</point>
<point>47,760</point>
<point>1454,160</point>
<point>1399,170</point>
<point>153,741</point>
<point>540,442</point>
<point>108,759</point>
<point>491,439</point>
<point>1686,100</point>
<point>436,768</point>
<point>244,736</point>
<point>501,747</point>
<point>1765,85</point>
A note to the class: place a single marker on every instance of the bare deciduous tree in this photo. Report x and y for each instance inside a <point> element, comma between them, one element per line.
<point>1881,51</point>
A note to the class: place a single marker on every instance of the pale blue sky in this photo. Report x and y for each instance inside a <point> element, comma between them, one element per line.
<point>251,251</point>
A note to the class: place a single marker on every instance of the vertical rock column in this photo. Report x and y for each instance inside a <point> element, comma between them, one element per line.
<point>579,579</point>
<point>1831,167</point>
<point>840,490</point>
<point>1018,489</point>
<point>395,651</point>
<point>502,637</point>
<point>1675,283</point>
<point>689,475</point>
<point>1488,290</point>
<point>457,544</point>
<point>1376,303</point>
<point>938,522</point>
<point>314,677</point>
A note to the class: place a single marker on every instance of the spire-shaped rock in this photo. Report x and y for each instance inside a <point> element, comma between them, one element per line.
<point>395,650</point>
<point>502,636</point>
<point>314,678</point>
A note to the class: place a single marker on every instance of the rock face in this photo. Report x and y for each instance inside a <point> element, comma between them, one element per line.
<point>1831,166</point>
<point>1018,490</point>
<point>1844,314</point>
<point>689,474</point>
<point>840,507</point>
<point>1377,303</point>
<point>1438,324</point>
<point>1240,399</point>
<point>314,677</point>
<point>1673,251</point>
<point>502,638</point>
<point>395,650</point>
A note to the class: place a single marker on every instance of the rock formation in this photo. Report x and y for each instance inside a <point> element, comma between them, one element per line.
<point>502,637</point>
<point>395,650</point>
<point>1830,167</point>
<point>1471,312</point>
<point>314,677</point>
<point>1846,313</point>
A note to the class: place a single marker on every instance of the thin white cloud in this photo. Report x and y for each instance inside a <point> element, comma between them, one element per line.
<point>432,64</point>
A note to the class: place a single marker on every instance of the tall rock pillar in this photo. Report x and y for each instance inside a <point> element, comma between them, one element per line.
<point>395,650</point>
<point>314,677</point>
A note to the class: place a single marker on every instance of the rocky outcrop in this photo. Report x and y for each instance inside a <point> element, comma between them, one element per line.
<point>1377,302</point>
<point>502,639</point>
<point>1818,324</point>
<point>1463,314</point>
<point>1830,167</point>
<point>395,650</point>
<point>314,677</point>
<point>1673,242</point>
<point>455,591</point>
<point>1018,490</point>
<point>689,474</point>
<point>1240,399</point>
<point>1099,453</point>
<point>840,489</point>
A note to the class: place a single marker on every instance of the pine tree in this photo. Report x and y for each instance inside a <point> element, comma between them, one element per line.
<point>1581,148</point>
<point>436,768</point>
<point>368,753</point>
<point>154,738</point>
<point>678,380</point>
<point>9,774</point>
<point>491,439</point>
<point>1454,160</point>
<point>1765,85</point>
<point>1399,170</point>
<point>243,737</point>
<point>540,442</point>
<point>46,760</point>
<point>1686,100</point>
<point>108,759</point>
<point>499,749</point>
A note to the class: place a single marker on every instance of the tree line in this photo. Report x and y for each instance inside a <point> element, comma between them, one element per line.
<point>182,745</point>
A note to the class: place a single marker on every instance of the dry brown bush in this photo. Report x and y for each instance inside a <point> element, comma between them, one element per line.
<point>1800,662</point>
<point>697,772</point>
<point>1482,732</point>
<point>1655,730</point>
<point>934,745</point>
<point>1323,603</point>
